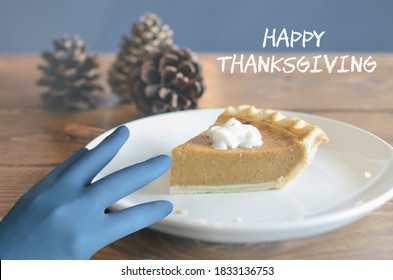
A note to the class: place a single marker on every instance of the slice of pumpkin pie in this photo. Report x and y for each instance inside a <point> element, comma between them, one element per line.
<point>246,149</point>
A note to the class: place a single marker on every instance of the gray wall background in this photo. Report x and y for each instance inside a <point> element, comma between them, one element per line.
<point>204,25</point>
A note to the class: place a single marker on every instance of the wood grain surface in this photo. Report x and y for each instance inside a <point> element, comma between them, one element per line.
<point>33,141</point>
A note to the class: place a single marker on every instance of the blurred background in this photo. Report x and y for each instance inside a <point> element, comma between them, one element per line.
<point>203,25</point>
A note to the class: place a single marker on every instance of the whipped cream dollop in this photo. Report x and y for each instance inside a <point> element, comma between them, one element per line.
<point>234,134</point>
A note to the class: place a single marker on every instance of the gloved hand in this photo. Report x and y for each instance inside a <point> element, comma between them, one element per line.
<point>62,216</point>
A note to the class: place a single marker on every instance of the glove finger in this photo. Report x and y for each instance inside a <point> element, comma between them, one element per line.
<point>82,172</point>
<point>55,173</point>
<point>130,220</point>
<point>119,184</point>
<point>49,179</point>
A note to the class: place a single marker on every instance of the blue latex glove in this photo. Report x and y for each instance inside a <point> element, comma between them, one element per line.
<point>62,216</point>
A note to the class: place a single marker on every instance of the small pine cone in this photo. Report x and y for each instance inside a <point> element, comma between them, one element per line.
<point>166,80</point>
<point>146,35</point>
<point>70,76</point>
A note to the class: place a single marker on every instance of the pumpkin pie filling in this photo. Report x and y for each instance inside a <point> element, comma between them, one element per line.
<point>288,147</point>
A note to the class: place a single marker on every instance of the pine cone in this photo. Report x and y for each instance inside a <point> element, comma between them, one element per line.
<point>166,80</point>
<point>146,35</point>
<point>70,75</point>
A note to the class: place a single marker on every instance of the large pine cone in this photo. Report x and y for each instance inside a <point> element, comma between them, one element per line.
<point>166,80</point>
<point>70,76</point>
<point>146,35</point>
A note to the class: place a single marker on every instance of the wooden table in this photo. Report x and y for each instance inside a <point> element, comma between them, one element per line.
<point>33,141</point>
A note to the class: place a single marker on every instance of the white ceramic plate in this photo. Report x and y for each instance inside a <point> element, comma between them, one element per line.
<point>350,176</point>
